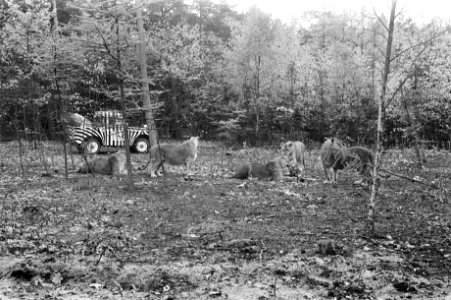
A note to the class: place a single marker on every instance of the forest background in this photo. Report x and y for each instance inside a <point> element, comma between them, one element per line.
<point>224,75</point>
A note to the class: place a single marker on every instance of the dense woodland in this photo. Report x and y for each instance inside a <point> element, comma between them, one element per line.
<point>198,67</point>
<point>223,75</point>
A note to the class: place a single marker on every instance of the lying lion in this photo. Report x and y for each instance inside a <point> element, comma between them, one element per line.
<point>275,170</point>
<point>174,154</point>
<point>294,151</point>
<point>336,156</point>
<point>113,164</point>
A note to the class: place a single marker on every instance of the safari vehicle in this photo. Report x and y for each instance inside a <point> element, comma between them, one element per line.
<point>106,130</point>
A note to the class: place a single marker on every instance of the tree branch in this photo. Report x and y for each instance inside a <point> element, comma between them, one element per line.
<point>105,44</point>
<point>408,178</point>
<point>400,85</point>
<point>420,43</point>
<point>379,19</point>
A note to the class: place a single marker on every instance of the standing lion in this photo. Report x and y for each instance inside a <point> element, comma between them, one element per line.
<point>363,160</point>
<point>174,154</point>
<point>294,151</point>
<point>336,156</point>
<point>330,157</point>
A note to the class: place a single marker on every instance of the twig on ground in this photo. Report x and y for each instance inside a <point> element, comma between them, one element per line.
<point>410,179</point>
<point>101,254</point>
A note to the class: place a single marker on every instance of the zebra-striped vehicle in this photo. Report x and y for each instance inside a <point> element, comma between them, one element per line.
<point>107,130</point>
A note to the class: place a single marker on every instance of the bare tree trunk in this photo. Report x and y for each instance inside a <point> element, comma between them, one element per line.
<point>37,129</point>
<point>420,154</point>
<point>68,148</point>
<point>257,99</point>
<point>380,120</point>
<point>151,128</point>
<point>373,65</point>
<point>58,91</point>
<point>25,130</point>
<point>414,134</point>
<point>19,141</point>
<point>55,16</point>
<point>257,121</point>
<point>121,85</point>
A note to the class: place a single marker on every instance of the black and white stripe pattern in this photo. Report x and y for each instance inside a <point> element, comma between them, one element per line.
<point>80,134</point>
<point>108,128</point>
<point>133,133</point>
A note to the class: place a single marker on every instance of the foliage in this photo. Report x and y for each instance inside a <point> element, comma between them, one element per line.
<point>206,61</point>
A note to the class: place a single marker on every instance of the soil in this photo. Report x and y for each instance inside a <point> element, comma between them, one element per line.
<point>208,237</point>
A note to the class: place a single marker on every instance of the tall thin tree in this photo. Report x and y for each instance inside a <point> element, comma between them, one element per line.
<point>380,119</point>
<point>55,36</point>
<point>122,96</point>
<point>152,131</point>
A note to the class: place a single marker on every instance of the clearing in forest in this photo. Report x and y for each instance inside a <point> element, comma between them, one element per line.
<point>215,238</point>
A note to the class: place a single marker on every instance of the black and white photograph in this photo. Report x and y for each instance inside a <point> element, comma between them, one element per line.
<point>225,149</point>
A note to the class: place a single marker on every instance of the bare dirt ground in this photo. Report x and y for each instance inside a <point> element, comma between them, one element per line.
<point>214,238</point>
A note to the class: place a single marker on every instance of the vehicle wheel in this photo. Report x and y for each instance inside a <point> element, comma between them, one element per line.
<point>141,145</point>
<point>92,146</point>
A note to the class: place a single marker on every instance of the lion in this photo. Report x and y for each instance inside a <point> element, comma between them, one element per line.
<point>363,160</point>
<point>275,170</point>
<point>174,154</point>
<point>113,164</point>
<point>329,155</point>
<point>336,156</point>
<point>294,151</point>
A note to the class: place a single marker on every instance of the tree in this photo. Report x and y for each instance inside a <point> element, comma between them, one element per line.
<point>24,50</point>
<point>380,118</point>
<point>251,60</point>
<point>144,79</point>
<point>111,30</point>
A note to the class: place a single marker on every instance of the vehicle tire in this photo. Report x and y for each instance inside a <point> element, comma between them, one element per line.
<point>92,146</point>
<point>141,145</point>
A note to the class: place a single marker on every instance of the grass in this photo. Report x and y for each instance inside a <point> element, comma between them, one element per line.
<point>211,237</point>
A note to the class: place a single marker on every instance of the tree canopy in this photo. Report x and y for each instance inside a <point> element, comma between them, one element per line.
<point>224,75</point>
